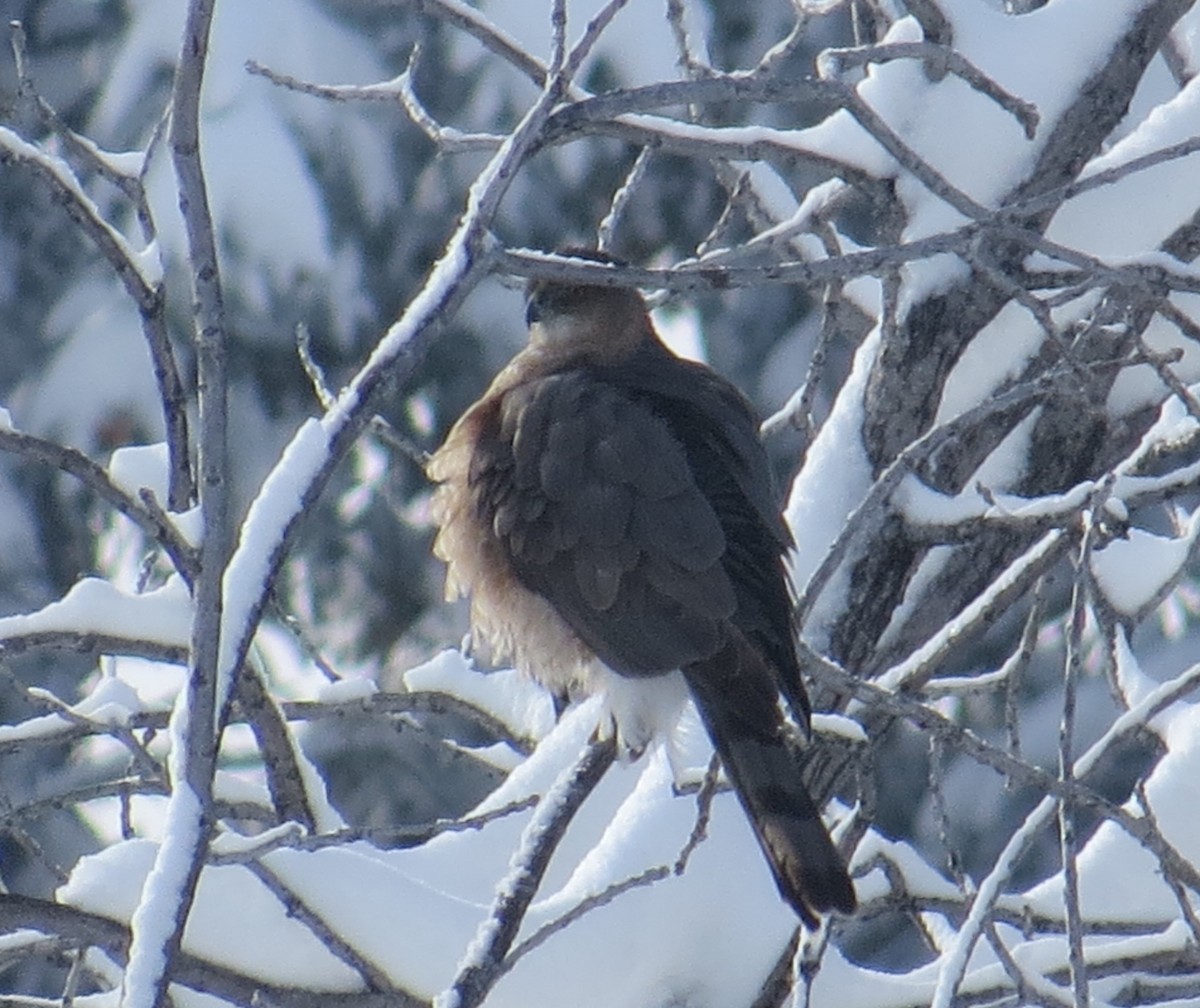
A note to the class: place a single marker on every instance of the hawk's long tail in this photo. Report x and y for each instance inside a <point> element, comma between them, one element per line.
<point>736,695</point>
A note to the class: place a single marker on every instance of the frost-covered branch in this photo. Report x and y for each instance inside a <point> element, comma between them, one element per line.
<point>79,149</point>
<point>137,273</point>
<point>475,24</point>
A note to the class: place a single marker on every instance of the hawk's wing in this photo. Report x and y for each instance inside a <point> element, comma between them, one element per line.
<point>719,433</point>
<point>613,514</point>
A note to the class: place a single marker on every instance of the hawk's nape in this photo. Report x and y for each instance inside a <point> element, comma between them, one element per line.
<point>610,510</point>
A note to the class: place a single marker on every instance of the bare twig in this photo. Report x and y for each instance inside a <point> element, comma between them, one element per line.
<point>383,430</point>
<point>395,838</point>
<point>1186,908</point>
<point>372,976</point>
<point>1016,666</point>
<point>937,768</point>
<point>147,766</point>
<point>704,800</point>
<point>580,909</point>
<point>379,704</point>
<point>621,198</point>
<point>398,91</point>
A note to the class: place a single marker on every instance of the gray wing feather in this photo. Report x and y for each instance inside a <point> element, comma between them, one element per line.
<point>594,501</point>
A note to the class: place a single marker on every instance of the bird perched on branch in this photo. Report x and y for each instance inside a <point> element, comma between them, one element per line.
<point>609,509</point>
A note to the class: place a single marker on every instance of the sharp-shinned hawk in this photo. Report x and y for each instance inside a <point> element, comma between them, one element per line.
<point>609,509</point>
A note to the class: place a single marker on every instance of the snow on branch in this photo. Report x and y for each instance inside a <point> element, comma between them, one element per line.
<point>964,278</point>
<point>939,59</point>
<point>483,960</point>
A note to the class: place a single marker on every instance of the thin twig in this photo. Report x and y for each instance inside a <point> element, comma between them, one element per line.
<point>633,177</point>
<point>558,36</point>
<point>1015,667</point>
<point>936,775</point>
<point>1186,907</point>
<point>385,838</point>
<point>148,767</point>
<point>378,704</point>
<point>398,91</point>
<point>328,935</point>
<point>383,430</point>
<point>686,278</point>
<point>704,800</point>
<point>580,909</point>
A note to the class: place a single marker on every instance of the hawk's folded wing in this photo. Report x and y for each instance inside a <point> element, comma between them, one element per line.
<point>597,509</point>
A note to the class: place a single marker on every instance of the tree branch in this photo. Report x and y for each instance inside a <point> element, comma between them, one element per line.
<point>483,962</point>
<point>157,925</point>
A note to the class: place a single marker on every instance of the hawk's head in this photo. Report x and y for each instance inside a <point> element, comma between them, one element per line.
<point>560,311</point>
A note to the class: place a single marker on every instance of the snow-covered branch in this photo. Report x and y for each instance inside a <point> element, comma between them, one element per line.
<point>953,256</point>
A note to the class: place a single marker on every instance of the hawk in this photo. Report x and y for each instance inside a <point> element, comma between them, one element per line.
<point>609,509</point>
